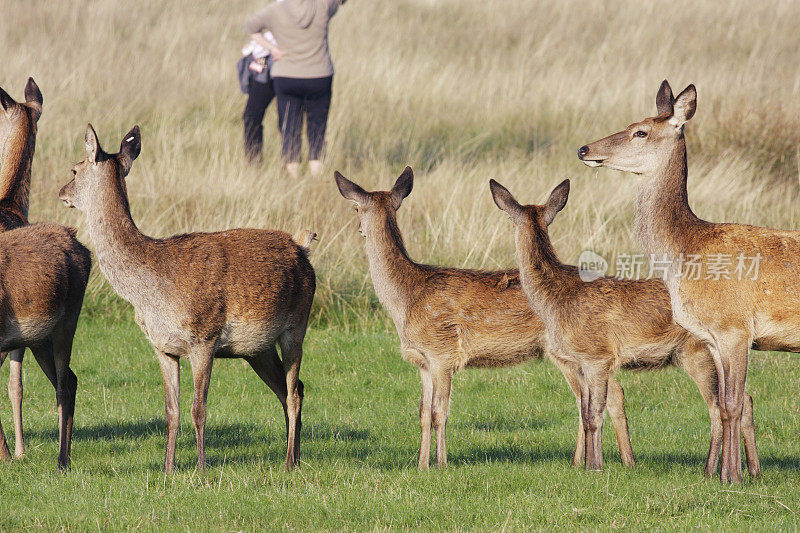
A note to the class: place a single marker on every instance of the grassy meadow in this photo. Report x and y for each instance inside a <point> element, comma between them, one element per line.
<point>461,90</point>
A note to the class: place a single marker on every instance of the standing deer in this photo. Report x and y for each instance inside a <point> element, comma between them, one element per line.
<point>599,326</point>
<point>199,296</point>
<point>68,268</point>
<point>759,307</point>
<point>449,318</point>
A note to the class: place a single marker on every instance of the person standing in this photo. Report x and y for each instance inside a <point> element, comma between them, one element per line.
<point>260,92</point>
<point>302,73</point>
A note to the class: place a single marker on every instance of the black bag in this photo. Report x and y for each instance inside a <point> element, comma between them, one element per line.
<point>245,74</point>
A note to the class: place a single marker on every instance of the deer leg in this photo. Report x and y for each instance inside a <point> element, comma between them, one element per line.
<point>593,414</point>
<point>698,364</point>
<point>291,343</point>
<point>170,373</point>
<point>202,360</point>
<point>616,410</point>
<point>15,395</point>
<point>425,418</point>
<point>269,368</point>
<point>573,377</point>
<point>749,435</point>
<point>65,400</point>
<point>440,410</point>
<point>737,350</point>
<point>5,453</point>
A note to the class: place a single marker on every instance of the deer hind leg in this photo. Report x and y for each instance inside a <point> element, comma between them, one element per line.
<point>170,373</point>
<point>202,360</point>
<point>15,395</point>
<point>616,410</point>
<point>291,343</point>
<point>440,410</point>
<point>425,418</point>
<point>269,368</point>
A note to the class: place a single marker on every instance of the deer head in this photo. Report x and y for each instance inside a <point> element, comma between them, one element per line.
<point>644,147</point>
<point>527,216</point>
<point>16,117</point>
<point>372,206</point>
<point>100,170</point>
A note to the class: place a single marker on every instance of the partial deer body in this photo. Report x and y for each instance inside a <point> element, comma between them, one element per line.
<point>602,325</point>
<point>200,296</point>
<point>731,314</point>
<point>18,127</point>
<point>448,319</point>
<point>44,271</point>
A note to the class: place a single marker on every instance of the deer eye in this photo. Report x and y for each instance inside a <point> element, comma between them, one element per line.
<point>641,134</point>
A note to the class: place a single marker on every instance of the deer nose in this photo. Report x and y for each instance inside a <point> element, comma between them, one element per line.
<point>582,151</point>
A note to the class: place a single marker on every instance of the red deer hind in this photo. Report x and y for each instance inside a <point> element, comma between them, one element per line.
<point>200,296</point>
<point>756,303</point>
<point>597,327</point>
<point>44,270</point>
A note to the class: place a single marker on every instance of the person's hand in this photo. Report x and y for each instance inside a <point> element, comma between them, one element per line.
<point>277,53</point>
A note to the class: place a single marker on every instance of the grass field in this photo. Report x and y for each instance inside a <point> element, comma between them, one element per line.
<point>462,90</point>
<point>510,441</point>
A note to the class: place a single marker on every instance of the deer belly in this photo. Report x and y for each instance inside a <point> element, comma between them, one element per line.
<point>777,331</point>
<point>19,332</point>
<point>245,337</point>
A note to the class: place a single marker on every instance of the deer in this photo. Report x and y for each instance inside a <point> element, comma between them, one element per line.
<point>600,325</point>
<point>448,319</point>
<point>52,321</point>
<point>238,293</point>
<point>730,312</point>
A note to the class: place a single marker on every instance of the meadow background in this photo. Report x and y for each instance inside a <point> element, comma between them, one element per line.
<point>461,90</point>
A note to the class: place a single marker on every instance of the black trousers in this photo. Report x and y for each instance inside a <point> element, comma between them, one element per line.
<point>297,97</point>
<point>259,96</point>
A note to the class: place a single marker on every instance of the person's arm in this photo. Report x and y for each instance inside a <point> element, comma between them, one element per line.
<point>258,23</point>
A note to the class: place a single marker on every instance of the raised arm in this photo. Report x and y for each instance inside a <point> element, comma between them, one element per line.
<point>257,24</point>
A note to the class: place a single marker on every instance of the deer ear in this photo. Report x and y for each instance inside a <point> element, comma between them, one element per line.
<point>6,102</point>
<point>33,97</point>
<point>402,187</point>
<point>505,201</point>
<point>664,99</point>
<point>685,106</point>
<point>129,149</point>
<point>93,149</point>
<point>350,190</point>
<point>556,202</point>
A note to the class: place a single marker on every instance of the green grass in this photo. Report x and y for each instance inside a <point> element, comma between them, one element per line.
<point>510,437</point>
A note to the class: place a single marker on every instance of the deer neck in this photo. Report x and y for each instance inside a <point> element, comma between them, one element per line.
<point>15,173</point>
<point>543,276</point>
<point>393,272</point>
<point>118,242</point>
<point>664,219</point>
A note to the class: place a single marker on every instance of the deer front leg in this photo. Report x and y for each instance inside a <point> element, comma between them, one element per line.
<point>202,361</point>
<point>15,395</point>
<point>442,383</point>
<point>734,350</point>
<point>170,373</point>
<point>5,453</point>
<point>425,418</point>
<point>749,436</point>
<point>594,406</point>
<point>573,377</point>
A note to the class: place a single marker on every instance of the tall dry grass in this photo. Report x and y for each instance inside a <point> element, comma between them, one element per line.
<point>462,90</point>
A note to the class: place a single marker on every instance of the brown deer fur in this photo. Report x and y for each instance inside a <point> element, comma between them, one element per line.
<point>200,296</point>
<point>449,318</point>
<point>729,315</point>
<point>18,126</point>
<point>599,326</point>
